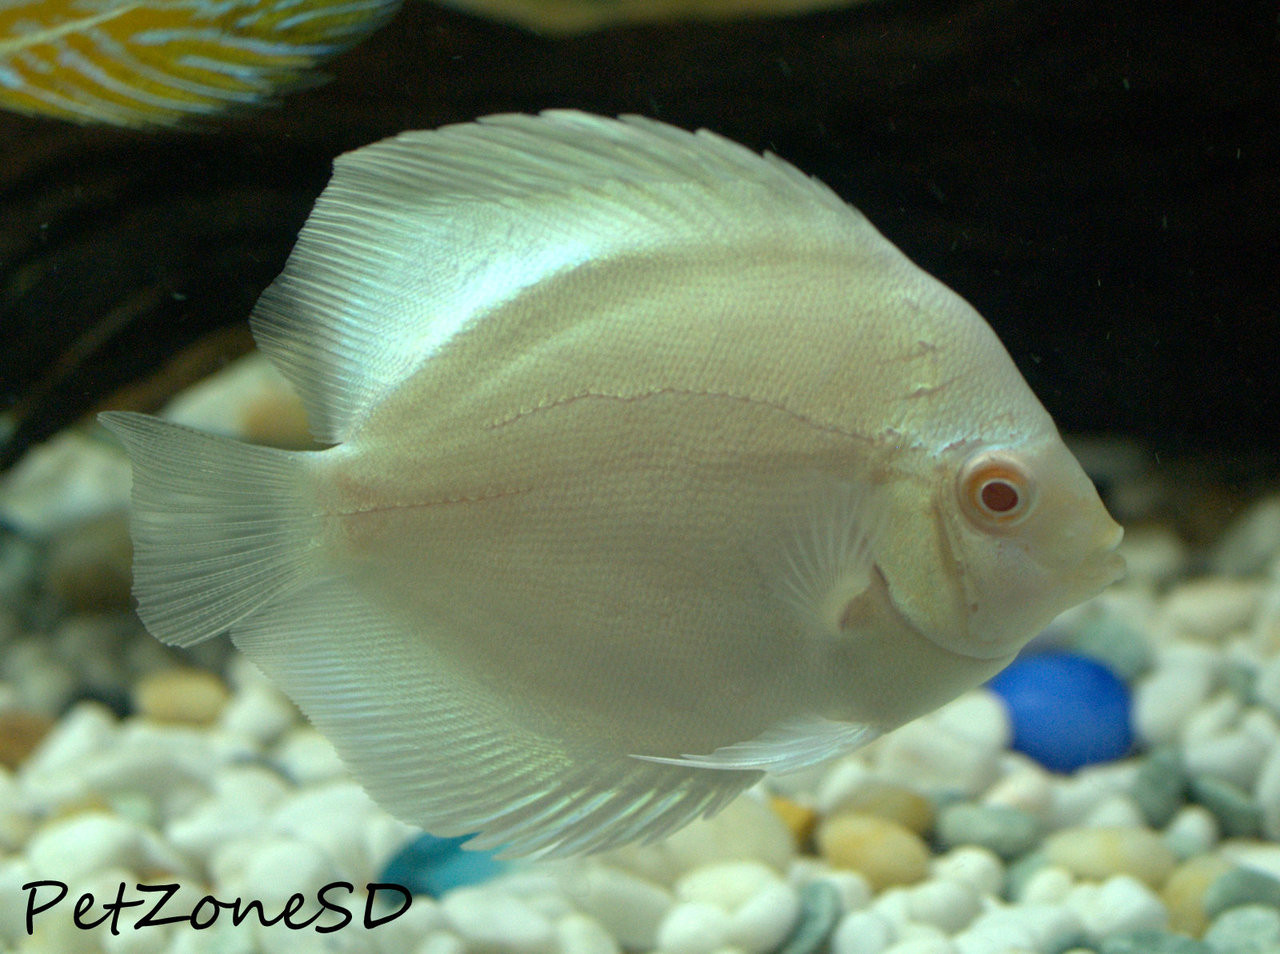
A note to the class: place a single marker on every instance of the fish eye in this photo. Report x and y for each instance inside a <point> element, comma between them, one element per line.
<point>996,490</point>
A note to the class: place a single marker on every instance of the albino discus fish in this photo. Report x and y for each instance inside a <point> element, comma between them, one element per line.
<point>654,467</point>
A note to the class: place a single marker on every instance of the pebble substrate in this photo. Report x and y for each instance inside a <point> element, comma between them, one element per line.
<point>124,762</point>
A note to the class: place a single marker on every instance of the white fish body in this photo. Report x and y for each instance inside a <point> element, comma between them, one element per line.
<point>654,467</point>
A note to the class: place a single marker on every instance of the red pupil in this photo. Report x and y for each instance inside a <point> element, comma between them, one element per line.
<point>999,497</point>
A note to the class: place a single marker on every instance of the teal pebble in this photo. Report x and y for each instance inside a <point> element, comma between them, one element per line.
<point>1237,813</point>
<point>1252,929</point>
<point>1152,942</point>
<point>1019,872</point>
<point>430,865</point>
<point>1006,831</point>
<point>819,912</point>
<point>1241,886</point>
<point>1241,680</point>
<point>1117,645</point>
<point>1160,786</point>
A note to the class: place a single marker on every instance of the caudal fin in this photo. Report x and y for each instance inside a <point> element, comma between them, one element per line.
<point>220,528</point>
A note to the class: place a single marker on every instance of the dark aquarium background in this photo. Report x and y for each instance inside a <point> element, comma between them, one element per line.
<point>1101,180</point>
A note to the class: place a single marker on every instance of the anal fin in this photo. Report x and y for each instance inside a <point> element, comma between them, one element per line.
<point>786,747</point>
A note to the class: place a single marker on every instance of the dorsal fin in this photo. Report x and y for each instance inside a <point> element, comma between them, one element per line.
<point>418,236</point>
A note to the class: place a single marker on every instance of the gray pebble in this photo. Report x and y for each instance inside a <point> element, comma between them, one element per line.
<point>1006,831</point>
<point>1238,814</point>
<point>819,912</point>
<point>1252,929</point>
<point>1152,942</point>
<point>1160,785</point>
<point>1241,679</point>
<point>1115,644</point>
<point>1241,886</point>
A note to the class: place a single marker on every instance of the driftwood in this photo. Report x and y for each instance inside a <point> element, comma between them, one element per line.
<point>1101,179</point>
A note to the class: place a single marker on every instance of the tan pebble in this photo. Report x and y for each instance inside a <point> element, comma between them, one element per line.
<point>190,696</point>
<point>798,818</point>
<point>1100,853</point>
<point>1183,892</point>
<point>276,418</point>
<point>882,851</point>
<point>894,802</point>
<point>20,733</point>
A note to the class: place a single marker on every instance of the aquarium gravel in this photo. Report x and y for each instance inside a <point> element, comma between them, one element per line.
<point>126,767</point>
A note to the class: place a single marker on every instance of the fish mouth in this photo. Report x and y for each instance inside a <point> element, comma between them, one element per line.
<point>1110,563</point>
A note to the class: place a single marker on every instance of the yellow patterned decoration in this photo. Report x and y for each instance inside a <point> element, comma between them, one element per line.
<point>147,63</point>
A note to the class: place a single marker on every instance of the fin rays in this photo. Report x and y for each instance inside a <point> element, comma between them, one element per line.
<point>447,755</point>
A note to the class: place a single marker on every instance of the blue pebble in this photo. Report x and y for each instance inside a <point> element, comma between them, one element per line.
<point>432,866</point>
<point>1067,710</point>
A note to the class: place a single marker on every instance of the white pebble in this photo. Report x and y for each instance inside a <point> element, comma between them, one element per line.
<point>692,927</point>
<point>1261,725</point>
<point>1116,811</point>
<point>1053,926</point>
<point>241,797</point>
<point>1120,903</point>
<point>131,939</point>
<point>948,905</point>
<point>1192,831</point>
<point>259,712</point>
<point>279,868</point>
<point>1049,885</point>
<point>1152,552</point>
<point>971,865</point>
<point>72,849</point>
<point>762,922</point>
<point>1212,607</point>
<point>1213,718</point>
<point>1259,855</point>
<point>1026,926</point>
<point>44,682</point>
<point>489,920</point>
<point>84,732</point>
<point>409,928</point>
<point>978,717</point>
<point>854,890</point>
<point>1234,757</point>
<point>333,816</point>
<point>841,782</point>
<point>579,934</point>
<point>1250,541</point>
<point>15,871</point>
<point>745,830</point>
<point>441,942</point>
<point>1166,699</point>
<point>923,756</point>
<point>922,945</point>
<point>1005,939</point>
<point>862,932</point>
<point>629,907</point>
<point>894,905</point>
<point>1027,788</point>
<point>174,766</point>
<point>1075,796</point>
<point>307,756</point>
<point>726,885</point>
